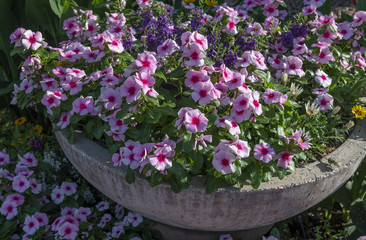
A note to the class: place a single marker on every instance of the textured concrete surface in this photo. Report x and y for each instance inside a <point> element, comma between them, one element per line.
<point>229,208</point>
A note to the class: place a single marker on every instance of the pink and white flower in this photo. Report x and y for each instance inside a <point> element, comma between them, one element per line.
<point>111,98</point>
<point>146,62</point>
<point>167,48</point>
<point>325,102</point>
<point>322,78</point>
<point>230,28</point>
<point>195,55</point>
<point>134,219</point>
<point>195,121</point>
<point>161,159</point>
<point>293,66</point>
<point>203,93</point>
<point>284,158</point>
<point>271,96</point>
<point>69,188</point>
<point>32,40</point>
<point>68,230</point>
<point>263,152</point>
<point>194,77</point>
<point>131,90</point>
<point>9,209</point>
<point>83,106</point>
<point>199,39</point>
<point>31,225</point>
<point>20,183</point>
<point>223,162</point>
<point>4,158</point>
<point>64,119</point>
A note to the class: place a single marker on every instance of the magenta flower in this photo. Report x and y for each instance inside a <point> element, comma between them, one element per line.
<point>294,65</point>
<point>254,103</point>
<point>64,120</point>
<point>270,96</point>
<point>4,158</point>
<point>50,100</point>
<point>111,98</point>
<point>32,40</point>
<point>307,10</point>
<point>240,116</point>
<point>134,219</point>
<point>322,78</point>
<point>20,183</point>
<point>167,48</point>
<point>28,160</point>
<point>223,162</point>
<point>16,36</point>
<point>146,62</point>
<point>195,121</point>
<point>57,195</point>
<point>131,90</point>
<point>199,39</point>
<point>203,93</point>
<point>240,148</point>
<point>69,188</point>
<point>193,77</point>
<point>145,80</point>
<point>324,57</point>
<point>230,28</point>
<point>9,209</point>
<point>325,102</point>
<point>195,55</point>
<point>31,225</point>
<point>16,198</point>
<point>284,158</point>
<point>41,218</point>
<point>263,152</point>
<point>236,81</point>
<point>161,159</point>
<point>68,231</point>
<point>242,102</point>
<point>359,18</point>
<point>83,106</point>
<point>114,43</point>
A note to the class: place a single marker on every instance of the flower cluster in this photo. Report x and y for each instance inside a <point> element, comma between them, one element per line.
<point>39,199</point>
<point>216,92</point>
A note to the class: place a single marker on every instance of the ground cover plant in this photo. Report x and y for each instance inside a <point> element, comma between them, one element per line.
<point>43,197</point>
<point>237,94</point>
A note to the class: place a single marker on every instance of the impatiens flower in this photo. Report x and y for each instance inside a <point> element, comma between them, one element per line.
<point>83,106</point>
<point>322,78</point>
<point>161,158</point>
<point>223,162</point>
<point>195,121</point>
<point>102,206</point>
<point>242,102</point>
<point>263,152</point>
<point>134,219</point>
<point>57,195</point>
<point>69,188</point>
<point>325,102</point>
<point>146,62</point>
<point>284,158</point>
<point>167,48</point>
<point>128,159</point>
<point>270,96</point>
<point>270,10</point>
<point>16,36</point>
<point>201,139</point>
<point>114,43</point>
<point>32,40</point>
<point>144,3</point>
<point>20,183</point>
<point>181,116</point>
<point>28,159</point>
<point>294,65</point>
<point>193,77</point>
<point>68,231</point>
<point>4,158</point>
<point>111,98</point>
<point>131,90</point>
<point>9,209</point>
<point>301,137</point>
<point>345,30</point>
<point>195,55</point>
<point>203,93</point>
<point>240,148</point>
<point>324,57</point>
<point>36,188</point>
<point>31,225</point>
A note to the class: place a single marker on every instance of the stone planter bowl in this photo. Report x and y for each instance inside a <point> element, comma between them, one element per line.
<point>226,209</point>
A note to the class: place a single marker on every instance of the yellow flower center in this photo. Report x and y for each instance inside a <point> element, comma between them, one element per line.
<point>189,1</point>
<point>359,112</point>
<point>210,3</point>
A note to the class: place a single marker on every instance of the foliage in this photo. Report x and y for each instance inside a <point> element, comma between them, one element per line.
<point>237,95</point>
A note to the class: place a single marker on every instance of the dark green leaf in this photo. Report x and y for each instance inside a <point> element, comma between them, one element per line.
<point>358,215</point>
<point>130,175</point>
<point>99,129</point>
<point>326,8</point>
<point>160,75</point>
<point>58,6</point>
<point>126,56</point>
<point>145,132</point>
<point>123,112</point>
<point>212,184</point>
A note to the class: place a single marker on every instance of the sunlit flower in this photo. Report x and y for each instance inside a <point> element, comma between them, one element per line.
<point>20,121</point>
<point>210,3</point>
<point>358,111</point>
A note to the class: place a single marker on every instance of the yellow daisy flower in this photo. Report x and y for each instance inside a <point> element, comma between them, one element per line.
<point>359,112</point>
<point>189,1</point>
<point>20,121</point>
<point>210,3</point>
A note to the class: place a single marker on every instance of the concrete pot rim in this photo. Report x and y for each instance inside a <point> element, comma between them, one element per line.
<point>197,181</point>
<point>296,190</point>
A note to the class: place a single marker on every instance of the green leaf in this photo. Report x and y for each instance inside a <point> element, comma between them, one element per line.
<point>125,55</point>
<point>281,172</point>
<point>188,142</point>
<point>16,51</point>
<point>361,5</point>
<point>197,159</point>
<point>130,175</point>
<point>175,186</point>
<point>59,6</point>
<point>123,112</point>
<point>357,215</point>
<point>326,8</point>
<point>208,61</point>
<point>178,170</point>
<point>177,73</point>
<point>99,129</point>
<point>145,132</point>
<point>160,75</point>
<point>7,227</point>
<point>156,178</point>
<point>256,176</point>
<point>212,184</point>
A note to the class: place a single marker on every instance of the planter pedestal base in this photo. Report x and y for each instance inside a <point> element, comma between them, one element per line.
<point>175,233</point>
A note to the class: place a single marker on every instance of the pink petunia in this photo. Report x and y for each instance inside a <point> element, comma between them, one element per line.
<point>254,103</point>
<point>146,62</point>
<point>49,100</point>
<point>230,28</point>
<point>31,225</point>
<point>324,57</point>
<point>263,152</point>
<point>145,80</point>
<point>284,158</point>
<point>359,18</point>
<point>32,40</point>
<point>199,39</point>
<point>242,102</point>
<point>83,106</point>
<point>322,78</point>
<point>131,90</point>
<point>4,158</point>
<point>20,183</point>
<point>223,162</point>
<point>195,55</point>
<point>195,121</point>
<point>9,209</point>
